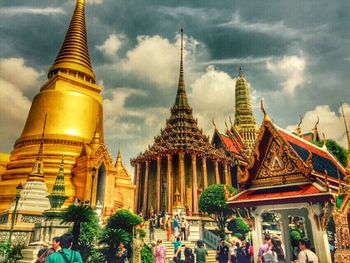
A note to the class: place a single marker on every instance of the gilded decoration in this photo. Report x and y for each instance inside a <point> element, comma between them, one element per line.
<point>277,162</point>
<point>340,216</point>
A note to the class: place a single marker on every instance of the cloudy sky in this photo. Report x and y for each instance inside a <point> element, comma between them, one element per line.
<point>295,54</point>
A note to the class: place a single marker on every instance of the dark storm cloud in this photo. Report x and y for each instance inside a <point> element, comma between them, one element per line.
<point>233,34</point>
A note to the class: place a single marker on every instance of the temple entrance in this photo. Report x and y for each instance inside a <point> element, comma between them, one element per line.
<point>101,185</point>
<point>289,224</point>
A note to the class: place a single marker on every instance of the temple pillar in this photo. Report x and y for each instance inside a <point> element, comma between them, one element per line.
<point>217,176</point>
<point>145,194</point>
<point>194,185</point>
<point>226,173</point>
<point>158,191</point>
<point>204,173</point>
<point>170,186</point>
<point>137,183</point>
<point>182,177</point>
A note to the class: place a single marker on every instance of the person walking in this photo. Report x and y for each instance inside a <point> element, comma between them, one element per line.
<point>169,226</point>
<point>189,257</point>
<point>275,252</point>
<point>263,248</point>
<point>177,249</point>
<point>152,225</point>
<point>122,254</point>
<point>201,252</point>
<point>45,252</point>
<point>233,251</point>
<point>306,255</point>
<point>222,252</point>
<point>160,252</point>
<point>176,226</point>
<point>66,254</point>
<point>183,228</point>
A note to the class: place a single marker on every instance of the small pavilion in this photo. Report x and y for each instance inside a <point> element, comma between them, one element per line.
<point>291,179</point>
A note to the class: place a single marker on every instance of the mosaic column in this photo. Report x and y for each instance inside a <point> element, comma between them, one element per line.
<point>182,177</point>
<point>170,186</point>
<point>204,173</point>
<point>158,191</point>
<point>194,185</point>
<point>217,176</point>
<point>145,194</point>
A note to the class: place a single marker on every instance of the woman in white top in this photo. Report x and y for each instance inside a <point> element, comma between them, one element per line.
<point>274,253</point>
<point>306,255</point>
<point>233,251</point>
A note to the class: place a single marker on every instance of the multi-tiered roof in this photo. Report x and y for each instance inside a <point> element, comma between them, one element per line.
<point>181,132</point>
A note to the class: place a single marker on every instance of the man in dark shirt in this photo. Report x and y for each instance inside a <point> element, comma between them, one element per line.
<point>222,252</point>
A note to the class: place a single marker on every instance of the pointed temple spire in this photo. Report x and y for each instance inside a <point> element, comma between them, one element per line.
<point>244,118</point>
<point>73,57</point>
<point>58,193</point>
<point>37,173</point>
<point>181,96</point>
<point>347,169</point>
<point>119,162</point>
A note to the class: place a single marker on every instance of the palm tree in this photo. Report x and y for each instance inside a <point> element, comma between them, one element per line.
<point>77,214</point>
<point>112,237</point>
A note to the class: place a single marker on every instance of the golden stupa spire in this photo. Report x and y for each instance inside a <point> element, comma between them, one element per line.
<point>347,169</point>
<point>119,161</point>
<point>181,97</point>
<point>37,173</point>
<point>73,57</point>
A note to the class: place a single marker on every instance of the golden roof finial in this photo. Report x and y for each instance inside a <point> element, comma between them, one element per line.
<point>74,54</point>
<point>324,146</point>
<point>214,124</point>
<point>266,116</point>
<point>298,128</point>
<point>347,169</point>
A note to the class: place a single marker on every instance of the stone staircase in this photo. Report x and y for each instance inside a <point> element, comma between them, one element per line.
<point>161,234</point>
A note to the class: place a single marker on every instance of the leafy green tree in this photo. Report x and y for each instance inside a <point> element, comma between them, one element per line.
<point>146,255</point>
<point>124,219</point>
<point>89,233</point>
<point>238,226</point>
<point>337,150</point>
<point>77,214</point>
<point>213,203</point>
<point>111,238</point>
<point>119,229</point>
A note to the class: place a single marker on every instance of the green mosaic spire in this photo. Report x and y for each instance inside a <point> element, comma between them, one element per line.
<point>244,123</point>
<point>58,194</point>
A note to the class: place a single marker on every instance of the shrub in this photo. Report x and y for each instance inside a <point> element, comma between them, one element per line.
<point>146,255</point>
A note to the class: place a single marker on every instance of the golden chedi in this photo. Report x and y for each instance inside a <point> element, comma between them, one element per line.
<point>74,128</point>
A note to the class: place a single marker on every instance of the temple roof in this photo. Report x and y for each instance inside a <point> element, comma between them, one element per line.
<point>74,53</point>
<point>283,194</point>
<point>120,167</point>
<point>181,132</point>
<point>322,159</point>
<point>281,158</point>
<point>232,143</point>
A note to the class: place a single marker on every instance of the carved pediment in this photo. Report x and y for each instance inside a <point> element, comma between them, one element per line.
<point>280,161</point>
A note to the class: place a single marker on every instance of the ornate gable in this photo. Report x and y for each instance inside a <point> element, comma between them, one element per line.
<point>274,161</point>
